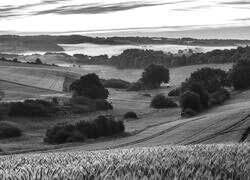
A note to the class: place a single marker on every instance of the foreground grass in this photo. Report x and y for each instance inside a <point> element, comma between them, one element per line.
<point>216,161</point>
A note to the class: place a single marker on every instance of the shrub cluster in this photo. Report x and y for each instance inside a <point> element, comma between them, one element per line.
<point>100,127</point>
<point>204,88</point>
<point>116,83</point>
<point>136,86</point>
<point>130,114</point>
<point>209,79</point>
<point>31,108</point>
<point>9,129</point>
<point>160,101</point>
<point>42,108</point>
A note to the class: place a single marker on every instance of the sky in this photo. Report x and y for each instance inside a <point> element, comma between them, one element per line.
<point>168,18</point>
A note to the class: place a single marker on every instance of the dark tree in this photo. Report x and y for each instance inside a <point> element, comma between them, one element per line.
<point>160,101</point>
<point>38,61</point>
<point>240,74</point>
<point>89,86</point>
<point>204,95</point>
<point>210,79</point>
<point>190,100</point>
<point>154,75</point>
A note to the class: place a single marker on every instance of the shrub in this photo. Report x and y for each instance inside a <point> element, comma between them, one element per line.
<point>30,108</point>
<point>160,101</point>
<point>102,104</point>
<point>204,95</point>
<point>219,97</point>
<point>137,86</point>
<point>130,114</point>
<point>188,113</point>
<point>76,136</point>
<point>116,83</point>
<point>190,100</point>
<point>89,86</point>
<point>154,75</point>
<point>9,129</point>
<point>175,92</point>
<point>100,127</point>
<point>240,74</point>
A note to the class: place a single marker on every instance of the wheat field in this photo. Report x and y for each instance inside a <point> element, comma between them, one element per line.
<point>215,161</point>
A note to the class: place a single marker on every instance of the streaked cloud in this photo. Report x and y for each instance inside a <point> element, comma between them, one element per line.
<point>96,8</point>
<point>246,2</point>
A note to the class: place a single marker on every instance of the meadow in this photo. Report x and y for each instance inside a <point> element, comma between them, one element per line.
<point>214,161</point>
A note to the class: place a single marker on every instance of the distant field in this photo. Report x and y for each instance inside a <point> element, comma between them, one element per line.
<point>177,75</point>
<point>218,161</point>
<point>57,78</point>
<point>19,92</point>
<point>51,79</point>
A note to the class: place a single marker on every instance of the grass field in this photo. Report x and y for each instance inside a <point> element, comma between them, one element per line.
<point>158,145</point>
<point>154,127</point>
<point>216,161</point>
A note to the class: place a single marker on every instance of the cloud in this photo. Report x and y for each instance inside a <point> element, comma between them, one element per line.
<point>96,8</point>
<point>192,8</point>
<point>10,11</point>
<point>44,2</point>
<point>242,19</point>
<point>236,3</point>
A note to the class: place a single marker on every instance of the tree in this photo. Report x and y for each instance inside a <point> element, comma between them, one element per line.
<point>210,79</point>
<point>240,74</point>
<point>190,100</point>
<point>154,75</point>
<point>204,95</point>
<point>89,86</point>
<point>38,61</point>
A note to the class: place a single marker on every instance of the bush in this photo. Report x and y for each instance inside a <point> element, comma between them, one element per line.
<point>31,108</point>
<point>160,101</point>
<point>240,74</point>
<point>116,83</point>
<point>210,79</point>
<point>100,127</point>
<point>40,108</point>
<point>219,97</point>
<point>188,113</point>
<point>9,129</point>
<point>137,86</point>
<point>89,86</point>
<point>130,114</point>
<point>190,100</point>
<point>154,75</point>
<point>102,105</point>
<point>175,92</point>
<point>204,95</point>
